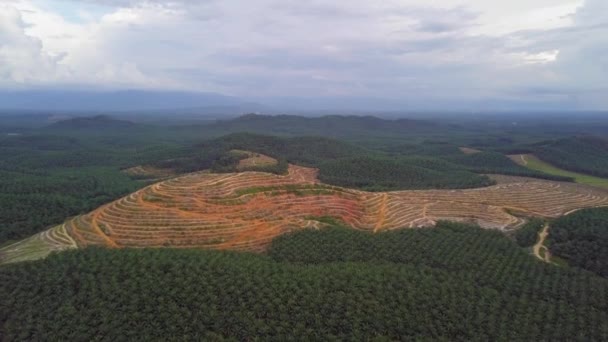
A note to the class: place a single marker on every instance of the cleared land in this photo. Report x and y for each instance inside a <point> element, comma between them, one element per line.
<point>253,160</point>
<point>468,150</point>
<point>532,162</point>
<point>38,246</point>
<point>149,172</point>
<point>245,211</point>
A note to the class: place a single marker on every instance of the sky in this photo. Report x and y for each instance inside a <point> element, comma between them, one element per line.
<point>517,53</point>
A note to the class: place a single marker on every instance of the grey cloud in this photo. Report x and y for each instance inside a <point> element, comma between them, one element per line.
<point>442,20</point>
<point>287,48</point>
<point>316,9</point>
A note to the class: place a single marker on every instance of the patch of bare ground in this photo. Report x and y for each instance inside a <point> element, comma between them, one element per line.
<point>469,150</point>
<point>253,160</point>
<point>150,172</point>
<point>520,159</point>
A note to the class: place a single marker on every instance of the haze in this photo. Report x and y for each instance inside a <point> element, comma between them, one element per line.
<point>409,54</point>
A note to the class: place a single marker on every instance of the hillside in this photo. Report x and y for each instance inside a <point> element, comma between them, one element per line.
<point>339,163</point>
<point>585,154</point>
<point>532,162</point>
<point>57,173</point>
<point>245,211</point>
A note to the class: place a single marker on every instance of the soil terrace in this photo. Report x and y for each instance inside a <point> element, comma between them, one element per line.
<point>245,211</point>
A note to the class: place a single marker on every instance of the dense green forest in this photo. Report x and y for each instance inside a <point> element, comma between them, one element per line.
<point>44,179</point>
<point>384,173</point>
<point>345,164</point>
<point>454,282</point>
<point>582,239</point>
<point>30,202</point>
<point>402,166</point>
<point>587,155</point>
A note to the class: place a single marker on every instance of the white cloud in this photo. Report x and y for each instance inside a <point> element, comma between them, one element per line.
<point>22,59</point>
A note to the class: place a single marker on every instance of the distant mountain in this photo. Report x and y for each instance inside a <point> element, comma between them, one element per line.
<point>99,122</point>
<point>117,101</point>
<point>331,125</point>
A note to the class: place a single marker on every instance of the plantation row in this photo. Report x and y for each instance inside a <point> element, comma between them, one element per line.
<point>582,239</point>
<point>245,211</point>
<point>587,155</point>
<point>451,283</point>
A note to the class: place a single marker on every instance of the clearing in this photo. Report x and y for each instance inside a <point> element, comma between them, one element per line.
<point>149,172</point>
<point>532,162</point>
<point>468,150</point>
<point>252,160</point>
<point>38,246</point>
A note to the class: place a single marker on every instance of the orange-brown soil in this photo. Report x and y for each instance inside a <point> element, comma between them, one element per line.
<point>245,211</point>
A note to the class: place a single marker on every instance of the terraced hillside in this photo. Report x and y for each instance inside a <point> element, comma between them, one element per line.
<point>38,246</point>
<point>245,211</point>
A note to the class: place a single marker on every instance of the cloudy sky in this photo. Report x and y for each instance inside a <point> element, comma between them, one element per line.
<point>527,52</point>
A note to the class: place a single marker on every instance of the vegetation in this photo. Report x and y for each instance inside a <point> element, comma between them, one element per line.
<point>454,282</point>
<point>381,174</point>
<point>32,201</point>
<point>335,126</point>
<point>582,239</point>
<point>493,162</point>
<point>536,164</point>
<point>49,173</point>
<point>588,155</point>
<point>527,235</point>
<point>339,163</point>
<point>245,211</point>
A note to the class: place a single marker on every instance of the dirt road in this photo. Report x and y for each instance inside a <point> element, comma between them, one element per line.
<point>540,245</point>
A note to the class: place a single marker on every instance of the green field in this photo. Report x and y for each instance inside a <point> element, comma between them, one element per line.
<point>532,162</point>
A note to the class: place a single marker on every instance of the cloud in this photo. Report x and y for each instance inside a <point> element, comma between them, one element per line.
<point>22,60</point>
<point>578,65</point>
<point>399,50</point>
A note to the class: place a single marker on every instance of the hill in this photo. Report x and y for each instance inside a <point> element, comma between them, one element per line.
<point>339,163</point>
<point>328,126</point>
<point>245,211</point>
<point>98,122</point>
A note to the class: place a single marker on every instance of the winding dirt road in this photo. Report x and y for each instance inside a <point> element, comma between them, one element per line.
<point>540,244</point>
